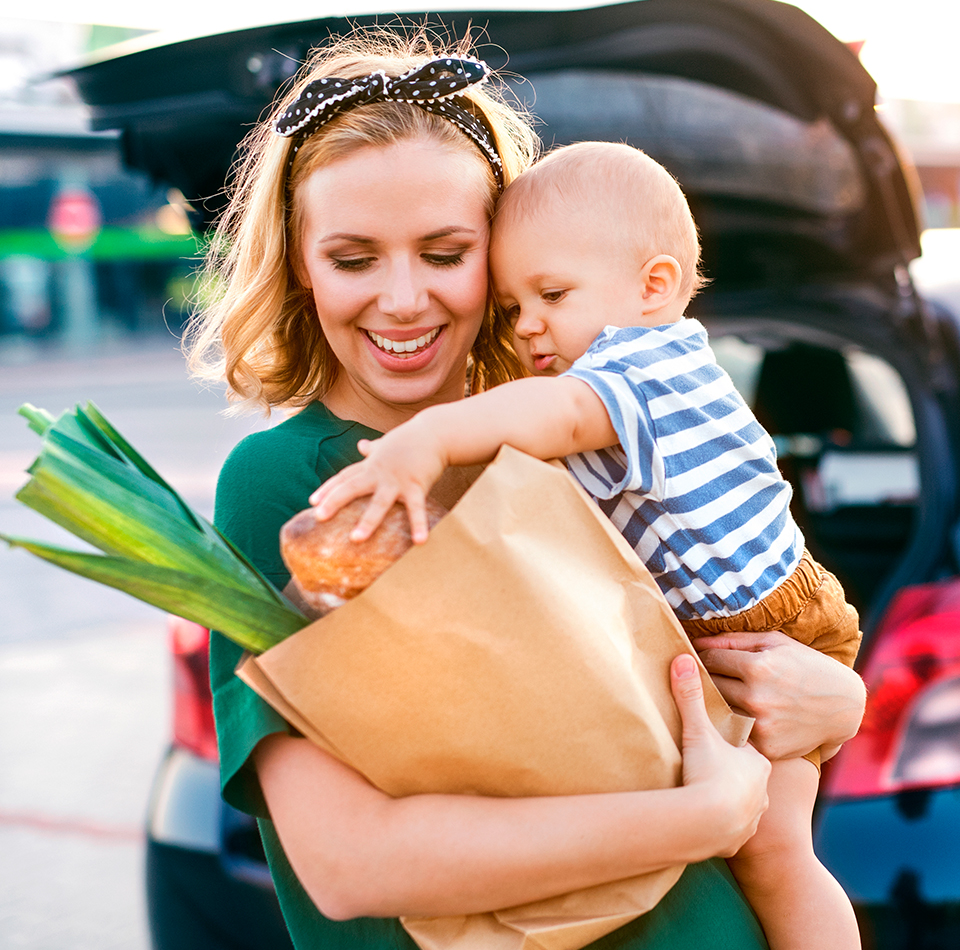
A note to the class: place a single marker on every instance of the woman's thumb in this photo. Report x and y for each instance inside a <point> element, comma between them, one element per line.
<point>687,689</point>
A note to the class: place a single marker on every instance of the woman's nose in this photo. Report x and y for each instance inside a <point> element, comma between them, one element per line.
<point>404,295</point>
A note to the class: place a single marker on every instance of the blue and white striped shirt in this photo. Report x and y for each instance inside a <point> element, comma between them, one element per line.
<point>694,485</point>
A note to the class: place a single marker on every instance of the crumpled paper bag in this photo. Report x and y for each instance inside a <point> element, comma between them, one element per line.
<point>523,650</point>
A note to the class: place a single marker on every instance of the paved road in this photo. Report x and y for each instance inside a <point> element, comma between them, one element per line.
<point>84,691</point>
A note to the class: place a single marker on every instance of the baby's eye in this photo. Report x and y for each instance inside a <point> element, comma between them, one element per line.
<point>512,314</point>
<point>552,296</point>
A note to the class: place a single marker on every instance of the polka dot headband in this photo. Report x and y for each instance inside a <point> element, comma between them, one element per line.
<point>432,87</point>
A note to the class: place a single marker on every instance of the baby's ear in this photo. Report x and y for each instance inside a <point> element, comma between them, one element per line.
<point>660,278</point>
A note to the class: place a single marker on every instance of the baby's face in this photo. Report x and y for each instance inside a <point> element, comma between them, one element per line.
<point>561,279</point>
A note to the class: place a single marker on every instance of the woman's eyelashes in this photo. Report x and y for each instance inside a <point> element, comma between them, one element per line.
<point>435,258</point>
<point>351,264</point>
<point>451,259</point>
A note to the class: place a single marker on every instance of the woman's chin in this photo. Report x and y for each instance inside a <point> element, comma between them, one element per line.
<point>417,392</point>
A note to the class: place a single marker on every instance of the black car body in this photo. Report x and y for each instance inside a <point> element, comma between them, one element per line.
<point>808,224</point>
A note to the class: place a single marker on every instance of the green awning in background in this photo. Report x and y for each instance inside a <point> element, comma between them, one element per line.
<point>111,244</point>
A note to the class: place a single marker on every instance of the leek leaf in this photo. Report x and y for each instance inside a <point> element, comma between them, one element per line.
<point>113,507</point>
<point>39,419</point>
<point>253,622</point>
<point>93,417</point>
<point>89,480</point>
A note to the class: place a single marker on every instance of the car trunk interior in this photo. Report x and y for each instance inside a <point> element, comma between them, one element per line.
<point>803,310</point>
<point>765,117</point>
<point>854,419</point>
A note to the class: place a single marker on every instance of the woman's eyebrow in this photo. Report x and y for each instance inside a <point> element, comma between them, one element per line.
<point>452,229</point>
<point>446,232</point>
<point>344,236</point>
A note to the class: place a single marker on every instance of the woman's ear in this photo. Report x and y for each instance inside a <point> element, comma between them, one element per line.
<point>660,282</point>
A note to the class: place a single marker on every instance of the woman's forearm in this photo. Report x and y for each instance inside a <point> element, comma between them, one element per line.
<point>360,853</point>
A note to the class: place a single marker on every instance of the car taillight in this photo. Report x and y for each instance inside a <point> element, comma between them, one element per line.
<point>910,736</point>
<point>193,727</point>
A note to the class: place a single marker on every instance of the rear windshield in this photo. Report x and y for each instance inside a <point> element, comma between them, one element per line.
<point>714,142</point>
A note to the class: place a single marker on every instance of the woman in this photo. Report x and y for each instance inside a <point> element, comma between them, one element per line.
<point>355,287</point>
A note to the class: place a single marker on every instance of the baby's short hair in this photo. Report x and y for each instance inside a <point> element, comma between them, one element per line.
<point>642,201</point>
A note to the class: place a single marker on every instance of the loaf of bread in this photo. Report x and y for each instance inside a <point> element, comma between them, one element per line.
<point>328,568</point>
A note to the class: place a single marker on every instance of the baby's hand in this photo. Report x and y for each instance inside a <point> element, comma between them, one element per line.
<point>397,467</point>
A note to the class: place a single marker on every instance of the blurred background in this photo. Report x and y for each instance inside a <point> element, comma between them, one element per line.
<point>91,254</point>
<point>96,267</point>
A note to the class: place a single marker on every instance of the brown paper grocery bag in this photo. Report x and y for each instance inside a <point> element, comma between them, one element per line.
<point>523,650</point>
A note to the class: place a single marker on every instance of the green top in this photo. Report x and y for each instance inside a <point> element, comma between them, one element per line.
<point>266,480</point>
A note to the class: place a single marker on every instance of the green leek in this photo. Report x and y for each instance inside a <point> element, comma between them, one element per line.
<point>89,480</point>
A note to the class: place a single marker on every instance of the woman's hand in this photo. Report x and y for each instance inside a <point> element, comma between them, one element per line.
<point>403,466</point>
<point>800,698</point>
<point>735,779</point>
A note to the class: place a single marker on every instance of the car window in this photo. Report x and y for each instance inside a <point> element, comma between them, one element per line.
<point>841,421</point>
<point>886,414</point>
<point>715,141</point>
<point>742,361</point>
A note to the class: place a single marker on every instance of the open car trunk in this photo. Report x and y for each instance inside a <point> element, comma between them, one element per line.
<point>805,212</point>
<point>765,117</point>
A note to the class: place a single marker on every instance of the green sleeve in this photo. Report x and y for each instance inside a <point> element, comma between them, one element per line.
<point>266,479</point>
<point>246,512</point>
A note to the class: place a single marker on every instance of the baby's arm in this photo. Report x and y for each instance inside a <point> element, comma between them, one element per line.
<point>546,417</point>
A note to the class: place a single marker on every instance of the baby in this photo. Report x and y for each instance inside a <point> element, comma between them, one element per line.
<point>594,257</point>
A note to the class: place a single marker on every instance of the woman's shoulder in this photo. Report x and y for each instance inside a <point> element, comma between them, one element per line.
<point>312,440</point>
<point>270,475</point>
<point>312,425</point>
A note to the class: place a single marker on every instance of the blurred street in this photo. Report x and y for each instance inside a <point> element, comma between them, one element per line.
<point>84,673</point>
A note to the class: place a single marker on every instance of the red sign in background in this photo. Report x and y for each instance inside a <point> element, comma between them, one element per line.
<point>74,218</point>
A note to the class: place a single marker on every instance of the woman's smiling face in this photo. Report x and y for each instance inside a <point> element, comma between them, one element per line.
<point>395,245</point>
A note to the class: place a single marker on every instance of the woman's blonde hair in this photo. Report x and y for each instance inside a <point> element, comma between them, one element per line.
<point>256,325</point>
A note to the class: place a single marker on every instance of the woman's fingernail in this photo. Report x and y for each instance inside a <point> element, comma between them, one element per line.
<point>685,666</point>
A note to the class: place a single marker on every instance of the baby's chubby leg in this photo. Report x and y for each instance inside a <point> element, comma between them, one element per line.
<point>799,903</point>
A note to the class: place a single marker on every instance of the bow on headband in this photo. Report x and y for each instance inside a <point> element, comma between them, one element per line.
<point>432,87</point>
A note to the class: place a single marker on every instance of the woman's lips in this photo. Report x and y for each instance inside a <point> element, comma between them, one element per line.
<point>409,354</point>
